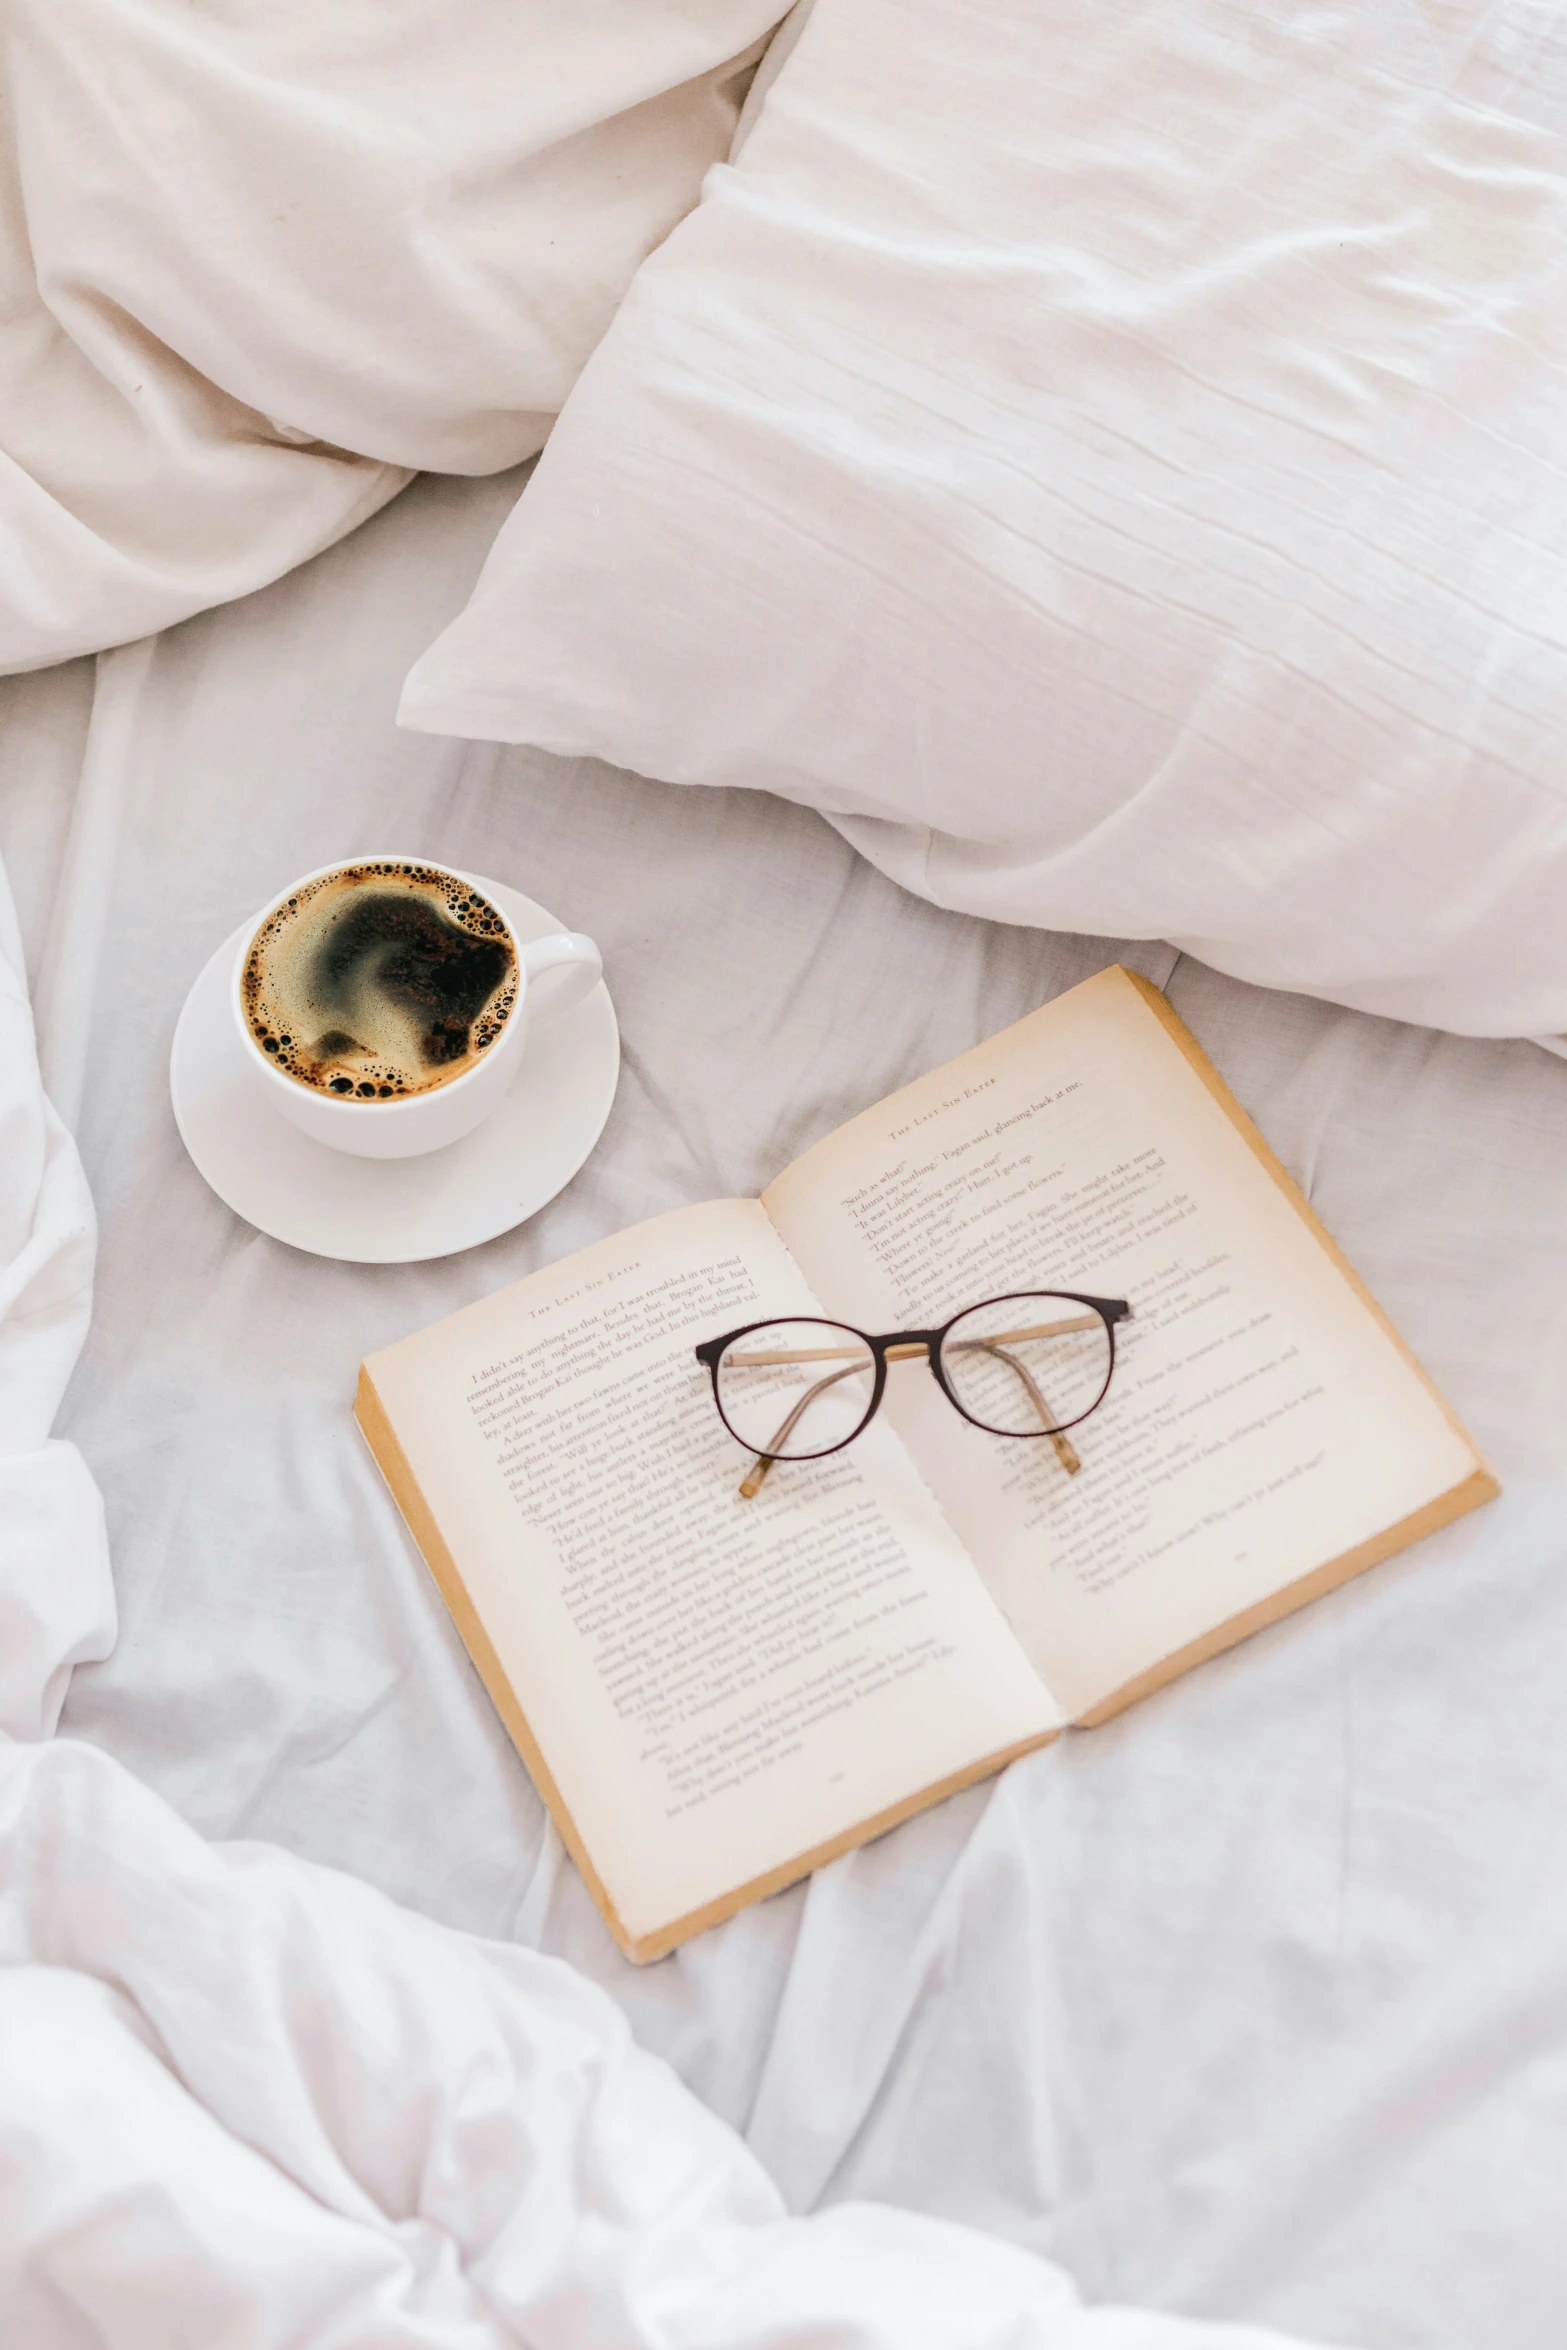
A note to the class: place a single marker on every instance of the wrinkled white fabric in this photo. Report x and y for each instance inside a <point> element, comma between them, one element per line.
<point>241,2092</point>
<point>1114,465</point>
<point>259,262</point>
<point>56,1597</point>
<point>247,2100</point>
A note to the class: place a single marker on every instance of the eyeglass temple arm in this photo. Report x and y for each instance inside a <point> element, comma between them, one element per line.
<point>1066,1453</point>
<point>751,1484</point>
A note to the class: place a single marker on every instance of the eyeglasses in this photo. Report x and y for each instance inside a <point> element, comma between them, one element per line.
<point>1034,1363</point>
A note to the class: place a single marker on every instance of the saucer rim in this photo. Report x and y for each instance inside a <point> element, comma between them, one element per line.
<point>524,912</point>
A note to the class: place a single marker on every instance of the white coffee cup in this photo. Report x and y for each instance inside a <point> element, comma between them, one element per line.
<point>409,1123</point>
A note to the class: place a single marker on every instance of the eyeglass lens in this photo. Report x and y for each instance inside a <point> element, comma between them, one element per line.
<point>1027,1365</point>
<point>796,1389</point>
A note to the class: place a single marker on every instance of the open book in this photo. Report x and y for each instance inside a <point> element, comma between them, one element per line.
<point>715,1694</point>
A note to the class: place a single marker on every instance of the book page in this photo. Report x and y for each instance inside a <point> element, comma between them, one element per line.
<point>716,1684</point>
<point>1261,1420</point>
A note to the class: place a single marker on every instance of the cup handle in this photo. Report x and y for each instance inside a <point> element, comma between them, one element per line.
<point>567,950</point>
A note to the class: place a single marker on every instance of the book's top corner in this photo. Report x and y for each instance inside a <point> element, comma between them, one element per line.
<point>365,1380</point>
<point>1114,991</point>
<point>1134,987</point>
<point>372,1368</point>
<point>1111,979</point>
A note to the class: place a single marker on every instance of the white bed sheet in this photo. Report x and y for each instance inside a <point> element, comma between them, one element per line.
<point>1253,2004</point>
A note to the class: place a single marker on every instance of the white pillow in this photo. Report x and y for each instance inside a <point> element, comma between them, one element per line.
<point>259,262</point>
<point>1112,458</point>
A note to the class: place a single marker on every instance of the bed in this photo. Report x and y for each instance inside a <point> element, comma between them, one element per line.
<point>1249,2005</point>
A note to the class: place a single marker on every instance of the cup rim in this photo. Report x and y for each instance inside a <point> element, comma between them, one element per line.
<point>407,1103</point>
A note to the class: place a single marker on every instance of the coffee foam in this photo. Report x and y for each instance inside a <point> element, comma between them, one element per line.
<point>379,981</point>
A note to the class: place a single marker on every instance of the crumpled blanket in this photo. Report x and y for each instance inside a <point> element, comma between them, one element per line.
<point>248,2101</point>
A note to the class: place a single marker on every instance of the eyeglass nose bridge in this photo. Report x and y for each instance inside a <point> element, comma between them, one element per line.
<point>908,1346</point>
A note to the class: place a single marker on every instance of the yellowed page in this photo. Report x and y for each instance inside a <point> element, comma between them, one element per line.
<point>716,1685</point>
<point>1262,1419</point>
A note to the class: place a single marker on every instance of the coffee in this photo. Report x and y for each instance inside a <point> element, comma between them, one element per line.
<point>379,980</point>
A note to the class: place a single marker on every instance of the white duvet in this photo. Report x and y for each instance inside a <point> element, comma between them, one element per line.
<point>245,2101</point>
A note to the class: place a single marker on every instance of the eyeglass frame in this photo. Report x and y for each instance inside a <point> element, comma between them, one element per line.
<point>907,1345</point>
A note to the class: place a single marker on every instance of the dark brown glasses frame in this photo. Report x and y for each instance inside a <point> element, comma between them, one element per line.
<point>904,1345</point>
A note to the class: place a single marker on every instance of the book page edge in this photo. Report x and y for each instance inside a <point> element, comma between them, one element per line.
<point>1181,1036</point>
<point>1428,1519</point>
<point>376,1428</point>
<point>664,1939</point>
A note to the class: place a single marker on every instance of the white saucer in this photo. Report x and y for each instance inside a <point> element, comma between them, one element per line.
<point>393,1211</point>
